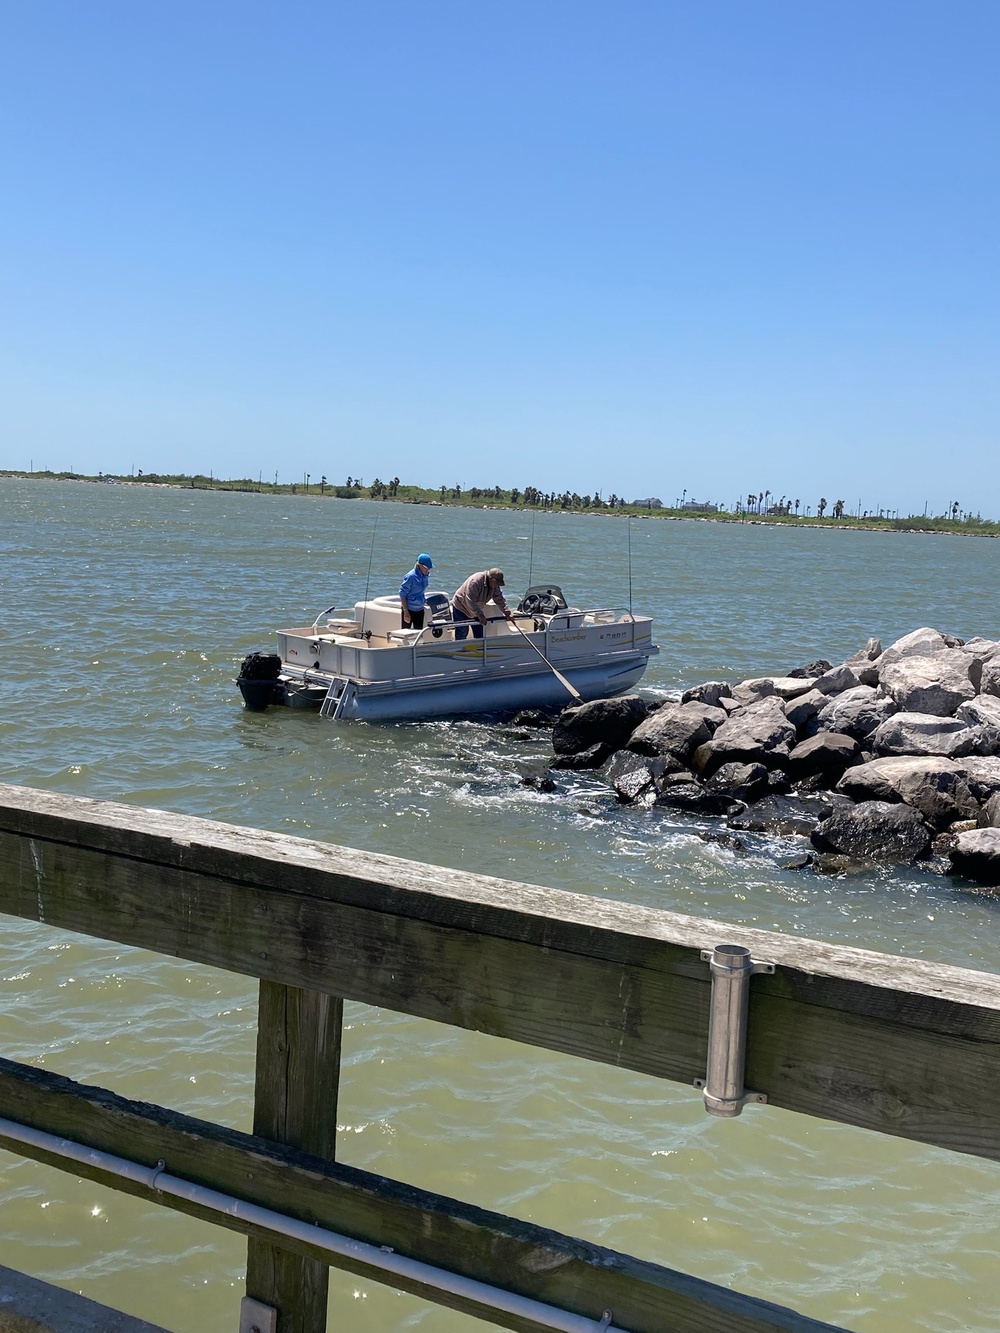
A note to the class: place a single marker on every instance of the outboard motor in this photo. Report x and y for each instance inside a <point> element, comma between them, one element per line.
<point>440,609</point>
<point>258,680</point>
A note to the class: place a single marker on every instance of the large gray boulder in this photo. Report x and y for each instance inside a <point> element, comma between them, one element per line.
<point>791,687</point>
<point>989,681</point>
<point>978,652</point>
<point>938,788</point>
<point>864,662</point>
<point>856,713</point>
<point>982,775</point>
<point>836,680</point>
<point>752,691</point>
<point>935,684</point>
<point>611,721</point>
<point>801,711</point>
<point>759,733</point>
<point>982,711</point>
<point>976,855</point>
<point>918,643</point>
<point>676,729</point>
<point>989,816</point>
<point>876,830</point>
<point>710,692</point>
<point>924,733</point>
<point>827,753</point>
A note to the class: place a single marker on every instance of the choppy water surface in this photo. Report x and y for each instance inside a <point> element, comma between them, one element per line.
<point>125,613</point>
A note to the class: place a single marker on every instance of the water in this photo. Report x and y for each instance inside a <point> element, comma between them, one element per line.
<point>125,613</point>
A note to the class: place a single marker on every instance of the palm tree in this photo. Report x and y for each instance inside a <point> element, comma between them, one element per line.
<point>821,507</point>
<point>796,508</point>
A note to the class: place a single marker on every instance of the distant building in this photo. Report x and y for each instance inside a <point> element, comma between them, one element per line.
<point>651,503</point>
<point>700,506</point>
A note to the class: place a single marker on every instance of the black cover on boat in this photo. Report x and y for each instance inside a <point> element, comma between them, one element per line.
<point>260,666</point>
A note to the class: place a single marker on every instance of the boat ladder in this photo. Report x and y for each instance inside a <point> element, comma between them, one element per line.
<point>338,696</point>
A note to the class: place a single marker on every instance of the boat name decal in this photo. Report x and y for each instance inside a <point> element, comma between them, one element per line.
<point>567,638</point>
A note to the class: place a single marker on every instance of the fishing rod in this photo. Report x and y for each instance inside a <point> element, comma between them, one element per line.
<point>371,555</point>
<point>629,525</point>
<point>531,553</point>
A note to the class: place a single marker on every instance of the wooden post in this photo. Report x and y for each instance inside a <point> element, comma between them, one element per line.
<point>295,1102</point>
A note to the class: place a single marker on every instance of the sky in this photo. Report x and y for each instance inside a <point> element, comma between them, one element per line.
<point>665,249</point>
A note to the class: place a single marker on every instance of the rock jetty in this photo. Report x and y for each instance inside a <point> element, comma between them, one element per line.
<point>892,755</point>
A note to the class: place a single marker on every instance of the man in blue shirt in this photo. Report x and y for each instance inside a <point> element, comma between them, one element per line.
<point>413,592</point>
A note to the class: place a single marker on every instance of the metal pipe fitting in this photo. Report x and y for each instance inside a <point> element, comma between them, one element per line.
<point>731,967</point>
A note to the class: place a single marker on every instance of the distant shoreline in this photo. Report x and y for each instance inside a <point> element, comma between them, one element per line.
<point>939,526</point>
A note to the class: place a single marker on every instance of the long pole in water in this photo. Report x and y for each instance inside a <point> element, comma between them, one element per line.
<point>629,522</point>
<point>558,674</point>
<point>531,553</point>
<point>371,555</point>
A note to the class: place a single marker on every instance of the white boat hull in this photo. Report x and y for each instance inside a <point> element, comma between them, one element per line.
<point>488,694</point>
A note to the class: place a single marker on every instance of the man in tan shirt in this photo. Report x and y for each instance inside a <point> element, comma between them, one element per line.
<point>470,600</point>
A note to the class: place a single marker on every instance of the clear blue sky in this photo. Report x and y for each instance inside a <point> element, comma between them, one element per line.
<point>641,247</point>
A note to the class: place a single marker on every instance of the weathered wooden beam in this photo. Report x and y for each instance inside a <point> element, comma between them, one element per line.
<point>295,1102</point>
<point>897,1045</point>
<point>501,1251</point>
<point>30,1306</point>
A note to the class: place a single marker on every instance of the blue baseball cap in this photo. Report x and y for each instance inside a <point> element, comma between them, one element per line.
<point>425,560</point>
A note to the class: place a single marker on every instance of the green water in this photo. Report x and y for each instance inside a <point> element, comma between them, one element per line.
<point>125,613</point>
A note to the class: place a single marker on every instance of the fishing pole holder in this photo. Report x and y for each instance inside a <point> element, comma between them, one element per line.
<point>722,1087</point>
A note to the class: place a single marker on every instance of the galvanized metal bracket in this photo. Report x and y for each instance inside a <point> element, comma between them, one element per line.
<point>256,1317</point>
<point>722,1087</point>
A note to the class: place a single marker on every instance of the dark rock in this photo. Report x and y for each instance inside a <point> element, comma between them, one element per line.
<point>818,668</point>
<point>743,782</point>
<point>828,752</point>
<point>592,757</point>
<point>937,684</point>
<point>989,816</point>
<point>694,799</point>
<point>800,862</point>
<point>976,855</point>
<point>632,774</point>
<point>833,863</point>
<point>781,814</point>
<point>924,733</point>
<point>708,693</point>
<point>876,830</point>
<point>609,720</point>
<point>534,717</point>
<point>537,776</point>
<point>856,713</point>
<point>936,787</point>
<point>724,838</point>
<point>778,781</point>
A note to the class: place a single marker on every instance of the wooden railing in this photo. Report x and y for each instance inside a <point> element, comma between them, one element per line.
<point>895,1045</point>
